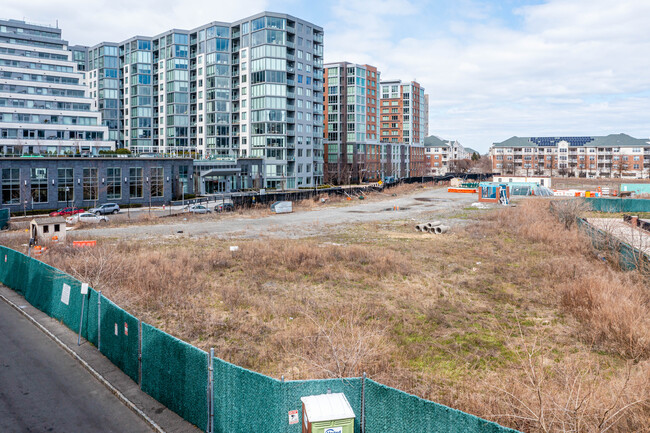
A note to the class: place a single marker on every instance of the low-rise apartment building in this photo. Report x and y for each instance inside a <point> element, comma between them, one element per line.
<point>615,155</point>
<point>441,156</point>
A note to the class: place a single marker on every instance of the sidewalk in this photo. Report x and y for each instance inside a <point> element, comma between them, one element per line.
<point>154,413</point>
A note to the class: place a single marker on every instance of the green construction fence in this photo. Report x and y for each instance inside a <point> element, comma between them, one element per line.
<point>177,374</point>
<point>392,410</point>
<point>602,204</point>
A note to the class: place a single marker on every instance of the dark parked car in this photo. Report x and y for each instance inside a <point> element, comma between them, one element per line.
<point>105,209</point>
<point>66,211</point>
<point>224,207</point>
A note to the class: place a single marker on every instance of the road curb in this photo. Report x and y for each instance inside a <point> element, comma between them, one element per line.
<point>128,403</point>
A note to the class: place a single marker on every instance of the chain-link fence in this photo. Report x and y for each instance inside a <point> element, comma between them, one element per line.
<point>628,257</point>
<point>212,394</point>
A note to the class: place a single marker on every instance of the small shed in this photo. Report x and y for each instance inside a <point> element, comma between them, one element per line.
<point>327,413</point>
<point>47,230</point>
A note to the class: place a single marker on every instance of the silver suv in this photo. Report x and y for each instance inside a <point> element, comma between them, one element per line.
<point>105,209</point>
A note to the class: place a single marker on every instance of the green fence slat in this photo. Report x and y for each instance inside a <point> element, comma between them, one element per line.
<point>602,204</point>
<point>176,374</point>
<point>119,334</point>
<point>245,401</point>
<point>391,410</point>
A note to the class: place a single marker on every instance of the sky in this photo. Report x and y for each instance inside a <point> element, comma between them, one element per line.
<point>493,69</point>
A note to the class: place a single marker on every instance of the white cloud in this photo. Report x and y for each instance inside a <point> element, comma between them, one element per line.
<point>488,82</point>
<point>92,21</point>
<point>566,67</point>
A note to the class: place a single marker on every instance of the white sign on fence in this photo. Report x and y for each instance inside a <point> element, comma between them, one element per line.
<point>65,294</point>
<point>84,288</point>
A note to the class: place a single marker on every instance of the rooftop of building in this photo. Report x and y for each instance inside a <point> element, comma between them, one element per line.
<point>612,140</point>
<point>210,24</point>
<point>433,141</point>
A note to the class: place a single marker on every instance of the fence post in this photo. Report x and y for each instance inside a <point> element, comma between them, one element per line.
<point>99,321</point>
<point>211,392</point>
<point>363,402</point>
<point>140,353</point>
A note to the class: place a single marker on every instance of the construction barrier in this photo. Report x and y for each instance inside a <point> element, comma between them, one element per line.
<point>602,204</point>
<point>79,244</point>
<point>463,190</point>
<point>119,337</point>
<point>178,374</point>
<point>392,410</point>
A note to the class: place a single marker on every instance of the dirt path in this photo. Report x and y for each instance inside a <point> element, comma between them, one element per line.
<point>297,224</point>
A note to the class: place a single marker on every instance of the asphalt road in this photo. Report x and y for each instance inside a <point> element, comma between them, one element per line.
<point>43,389</point>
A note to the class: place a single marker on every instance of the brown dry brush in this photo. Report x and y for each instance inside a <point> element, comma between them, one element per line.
<point>307,309</point>
<point>612,309</point>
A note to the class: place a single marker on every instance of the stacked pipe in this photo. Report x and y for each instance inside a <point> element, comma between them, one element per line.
<point>434,227</point>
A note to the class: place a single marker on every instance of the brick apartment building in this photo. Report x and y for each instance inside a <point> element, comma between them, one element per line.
<point>614,156</point>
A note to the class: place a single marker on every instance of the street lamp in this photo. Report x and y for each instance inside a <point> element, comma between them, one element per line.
<point>67,190</point>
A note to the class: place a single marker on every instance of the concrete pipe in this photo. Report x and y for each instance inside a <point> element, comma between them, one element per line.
<point>420,227</point>
<point>434,223</point>
<point>430,230</point>
<point>441,229</point>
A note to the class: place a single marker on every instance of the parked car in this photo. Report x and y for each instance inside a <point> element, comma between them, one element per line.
<point>67,211</point>
<point>105,209</point>
<point>199,209</point>
<point>224,207</point>
<point>86,217</point>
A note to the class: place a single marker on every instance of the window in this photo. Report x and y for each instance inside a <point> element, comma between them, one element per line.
<point>10,185</point>
<point>89,182</point>
<point>135,182</point>
<point>114,183</point>
<point>38,177</point>
<point>65,188</point>
<point>156,182</point>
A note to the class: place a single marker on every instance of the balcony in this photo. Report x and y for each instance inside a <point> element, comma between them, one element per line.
<point>291,69</point>
<point>318,37</point>
<point>291,95</point>
<point>291,57</point>
<point>291,44</point>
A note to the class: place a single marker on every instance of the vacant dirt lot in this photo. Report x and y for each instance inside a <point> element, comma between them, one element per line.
<point>309,220</point>
<point>509,316</point>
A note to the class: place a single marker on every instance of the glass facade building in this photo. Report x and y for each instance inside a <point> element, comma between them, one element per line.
<point>45,105</point>
<point>248,89</point>
<point>354,153</point>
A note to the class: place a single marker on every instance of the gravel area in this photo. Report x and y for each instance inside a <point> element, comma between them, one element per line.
<point>298,224</point>
<point>635,237</point>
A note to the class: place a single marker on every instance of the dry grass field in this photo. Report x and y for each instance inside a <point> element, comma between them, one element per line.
<point>510,317</point>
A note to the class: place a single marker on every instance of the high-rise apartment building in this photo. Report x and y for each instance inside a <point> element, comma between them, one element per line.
<point>45,107</point>
<point>352,148</point>
<point>252,88</point>
<point>403,112</point>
